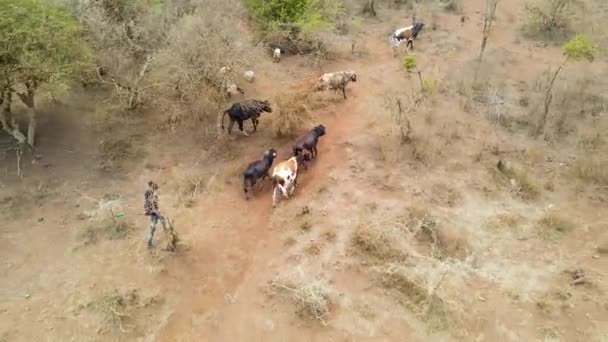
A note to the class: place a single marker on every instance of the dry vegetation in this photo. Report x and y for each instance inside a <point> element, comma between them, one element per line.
<point>293,114</point>
<point>451,192</point>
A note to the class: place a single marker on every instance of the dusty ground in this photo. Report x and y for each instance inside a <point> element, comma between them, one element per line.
<point>420,242</point>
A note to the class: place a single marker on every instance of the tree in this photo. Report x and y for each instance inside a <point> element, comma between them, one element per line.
<point>488,20</point>
<point>579,48</point>
<point>40,45</point>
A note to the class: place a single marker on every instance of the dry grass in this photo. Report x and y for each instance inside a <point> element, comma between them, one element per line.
<point>379,242</point>
<point>517,180</point>
<point>548,20</point>
<point>553,225</point>
<point>421,299</point>
<point>293,113</point>
<point>593,170</point>
<point>445,241</point>
<point>189,188</point>
<point>312,300</point>
<point>116,152</point>
<point>20,201</point>
<point>107,229</point>
<point>115,308</point>
<point>118,308</point>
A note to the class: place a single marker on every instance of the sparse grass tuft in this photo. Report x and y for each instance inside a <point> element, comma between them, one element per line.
<point>21,200</point>
<point>378,242</point>
<point>312,300</point>
<point>189,187</point>
<point>455,6</point>
<point>553,225</point>
<point>420,299</point>
<point>117,307</point>
<point>115,153</point>
<point>314,248</point>
<point>106,229</point>
<point>592,170</point>
<point>520,183</point>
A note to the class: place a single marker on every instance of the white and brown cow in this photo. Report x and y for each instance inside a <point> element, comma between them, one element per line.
<point>285,178</point>
<point>407,34</point>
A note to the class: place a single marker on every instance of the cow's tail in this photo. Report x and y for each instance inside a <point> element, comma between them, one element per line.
<point>246,183</point>
<point>224,116</point>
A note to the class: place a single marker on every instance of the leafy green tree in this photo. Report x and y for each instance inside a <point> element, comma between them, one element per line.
<point>577,49</point>
<point>39,46</point>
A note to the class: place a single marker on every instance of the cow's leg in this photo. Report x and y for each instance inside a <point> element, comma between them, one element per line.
<point>284,191</point>
<point>230,126</point>
<point>293,185</point>
<point>255,124</point>
<point>262,181</point>
<point>344,91</point>
<point>241,128</point>
<point>274,196</point>
<point>154,221</point>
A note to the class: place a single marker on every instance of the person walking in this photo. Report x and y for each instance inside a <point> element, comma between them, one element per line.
<point>151,209</point>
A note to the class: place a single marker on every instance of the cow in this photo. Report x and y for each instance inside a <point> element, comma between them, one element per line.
<point>285,178</point>
<point>245,110</point>
<point>276,55</point>
<point>258,169</point>
<point>307,143</point>
<point>408,34</point>
<point>336,81</point>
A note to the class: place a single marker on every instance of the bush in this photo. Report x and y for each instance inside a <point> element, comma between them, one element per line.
<point>409,63</point>
<point>293,114</point>
<point>548,20</point>
<point>293,25</point>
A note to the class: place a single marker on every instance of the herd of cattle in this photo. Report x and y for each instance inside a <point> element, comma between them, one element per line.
<point>284,175</point>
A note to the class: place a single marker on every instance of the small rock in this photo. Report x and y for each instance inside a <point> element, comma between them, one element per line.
<point>27,296</point>
<point>249,76</point>
<point>482,299</point>
<point>40,219</point>
<point>596,256</point>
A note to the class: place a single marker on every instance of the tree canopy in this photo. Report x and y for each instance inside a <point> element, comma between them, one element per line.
<point>39,43</point>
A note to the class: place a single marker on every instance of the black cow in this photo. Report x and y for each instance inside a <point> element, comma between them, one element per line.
<point>308,143</point>
<point>258,169</point>
<point>241,111</point>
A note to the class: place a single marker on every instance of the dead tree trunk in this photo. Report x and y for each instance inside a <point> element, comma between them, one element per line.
<point>488,20</point>
<point>9,124</point>
<point>28,100</point>
<point>405,132</point>
<point>548,98</point>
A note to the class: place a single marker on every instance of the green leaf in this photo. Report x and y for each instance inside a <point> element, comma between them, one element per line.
<point>39,42</point>
<point>580,47</point>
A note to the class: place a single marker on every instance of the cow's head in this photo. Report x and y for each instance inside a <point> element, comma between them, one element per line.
<point>153,186</point>
<point>266,106</point>
<point>320,130</point>
<point>270,154</point>
<point>416,29</point>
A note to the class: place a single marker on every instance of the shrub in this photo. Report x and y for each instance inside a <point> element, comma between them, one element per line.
<point>409,63</point>
<point>293,114</point>
<point>547,20</point>
<point>293,25</point>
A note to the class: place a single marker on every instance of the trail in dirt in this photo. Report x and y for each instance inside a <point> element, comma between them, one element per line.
<point>227,306</point>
